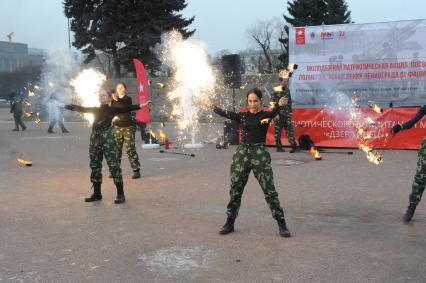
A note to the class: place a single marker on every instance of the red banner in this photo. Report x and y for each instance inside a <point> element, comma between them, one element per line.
<point>142,96</point>
<point>335,128</point>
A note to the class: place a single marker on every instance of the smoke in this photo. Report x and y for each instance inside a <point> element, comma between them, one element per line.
<point>54,84</point>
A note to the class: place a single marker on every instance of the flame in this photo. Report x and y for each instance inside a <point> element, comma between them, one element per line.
<point>278,88</point>
<point>376,108</point>
<point>372,155</point>
<point>31,93</point>
<point>37,87</point>
<point>162,135</point>
<point>28,114</point>
<point>87,85</point>
<point>315,153</point>
<point>370,121</point>
<point>27,103</point>
<point>265,121</point>
<point>152,133</point>
<point>37,119</point>
<point>161,85</point>
<point>23,161</point>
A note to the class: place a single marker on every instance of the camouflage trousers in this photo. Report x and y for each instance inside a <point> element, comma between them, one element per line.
<point>284,121</point>
<point>419,182</point>
<point>256,158</point>
<point>102,143</point>
<point>127,135</point>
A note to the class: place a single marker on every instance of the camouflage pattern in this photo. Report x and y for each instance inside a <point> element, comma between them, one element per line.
<point>127,135</point>
<point>419,182</point>
<point>102,142</point>
<point>256,158</point>
<point>283,119</point>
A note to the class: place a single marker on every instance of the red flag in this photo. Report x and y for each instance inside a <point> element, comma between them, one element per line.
<point>142,96</point>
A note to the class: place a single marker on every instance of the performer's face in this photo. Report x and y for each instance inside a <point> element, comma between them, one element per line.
<point>103,97</point>
<point>253,102</point>
<point>284,82</point>
<point>121,90</point>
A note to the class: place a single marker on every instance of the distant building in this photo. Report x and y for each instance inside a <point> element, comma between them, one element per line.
<point>14,56</point>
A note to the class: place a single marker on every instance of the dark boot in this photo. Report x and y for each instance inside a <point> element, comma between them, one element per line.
<point>280,149</point>
<point>65,131</point>
<point>293,149</point>
<point>228,227</point>
<point>410,212</point>
<point>136,174</point>
<point>50,130</point>
<point>96,193</point>
<point>283,228</point>
<point>120,194</point>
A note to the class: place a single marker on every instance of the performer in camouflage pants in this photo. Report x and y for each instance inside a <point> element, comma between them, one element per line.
<point>102,142</point>
<point>126,135</point>
<point>419,181</point>
<point>256,158</point>
<point>283,120</point>
<point>125,129</point>
<point>251,154</point>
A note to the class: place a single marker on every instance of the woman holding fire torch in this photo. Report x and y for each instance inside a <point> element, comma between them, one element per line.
<point>252,154</point>
<point>102,142</point>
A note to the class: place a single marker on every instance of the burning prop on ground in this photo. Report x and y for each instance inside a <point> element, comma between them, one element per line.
<point>24,162</point>
<point>315,153</point>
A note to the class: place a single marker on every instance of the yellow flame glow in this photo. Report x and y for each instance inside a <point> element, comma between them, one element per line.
<point>87,85</point>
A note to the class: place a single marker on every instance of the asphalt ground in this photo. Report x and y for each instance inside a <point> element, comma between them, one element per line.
<point>344,214</point>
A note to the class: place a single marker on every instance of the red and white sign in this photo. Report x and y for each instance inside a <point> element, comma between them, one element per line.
<point>332,128</point>
<point>142,115</point>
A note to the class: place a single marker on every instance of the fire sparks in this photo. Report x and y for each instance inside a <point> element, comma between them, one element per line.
<point>375,107</point>
<point>24,162</point>
<point>36,87</point>
<point>31,93</point>
<point>315,153</point>
<point>193,80</point>
<point>370,121</point>
<point>161,85</point>
<point>87,85</point>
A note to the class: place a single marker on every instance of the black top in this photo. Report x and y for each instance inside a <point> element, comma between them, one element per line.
<point>254,126</point>
<point>103,114</point>
<point>409,124</point>
<point>124,119</point>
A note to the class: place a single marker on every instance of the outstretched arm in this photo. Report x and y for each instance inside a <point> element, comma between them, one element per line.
<point>409,124</point>
<point>227,114</point>
<point>124,109</point>
<point>81,109</point>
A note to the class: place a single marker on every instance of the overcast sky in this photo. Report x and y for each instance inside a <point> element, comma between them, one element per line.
<point>221,24</point>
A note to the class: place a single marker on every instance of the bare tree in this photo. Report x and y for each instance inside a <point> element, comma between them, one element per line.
<point>264,35</point>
